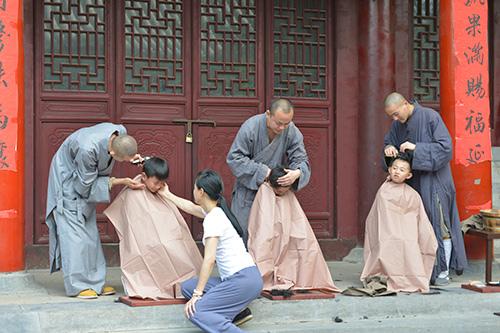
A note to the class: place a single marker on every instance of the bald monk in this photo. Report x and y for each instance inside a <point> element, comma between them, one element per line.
<point>421,130</point>
<point>79,178</point>
<point>263,142</point>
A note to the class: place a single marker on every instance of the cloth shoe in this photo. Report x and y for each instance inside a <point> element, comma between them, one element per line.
<point>107,290</point>
<point>243,317</point>
<point>442,281</point>
<point>87,294</point>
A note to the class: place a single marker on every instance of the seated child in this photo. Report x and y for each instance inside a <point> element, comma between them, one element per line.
<point>399,240</point>
<point>282,241</point>
<point>157,251</point>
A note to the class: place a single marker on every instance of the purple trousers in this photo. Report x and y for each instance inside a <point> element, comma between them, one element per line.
<point>223,300</point>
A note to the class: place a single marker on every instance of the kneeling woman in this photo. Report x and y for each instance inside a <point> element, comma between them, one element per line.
<point>214,302</point>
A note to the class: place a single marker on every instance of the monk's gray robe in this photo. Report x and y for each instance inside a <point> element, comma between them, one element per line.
<point>432,178</point>
<point>78,179</point>
<point>251,155</point>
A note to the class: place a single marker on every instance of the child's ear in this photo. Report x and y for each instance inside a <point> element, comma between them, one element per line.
<point>409,175</point>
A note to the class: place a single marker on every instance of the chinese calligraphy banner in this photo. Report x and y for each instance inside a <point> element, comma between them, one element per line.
<point>11,137</point>
<point>465,106</point>
<point>10,83</point>
<point>472,108</point>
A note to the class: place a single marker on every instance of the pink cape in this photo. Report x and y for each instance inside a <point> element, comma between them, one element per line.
<point>283,244</point>
<point>399,240</point>
<point>157,251</point>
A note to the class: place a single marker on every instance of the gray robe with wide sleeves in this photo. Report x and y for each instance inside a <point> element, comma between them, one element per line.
<point>432,178</point>
<point>251,155</point>
<point>78,179</point>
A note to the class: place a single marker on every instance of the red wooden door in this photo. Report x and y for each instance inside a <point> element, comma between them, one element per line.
<point>148,63</point>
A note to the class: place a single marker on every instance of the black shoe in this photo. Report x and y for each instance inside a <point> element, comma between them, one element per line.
<point>243,317</point>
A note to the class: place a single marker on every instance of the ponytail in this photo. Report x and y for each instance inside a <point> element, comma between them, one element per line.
<point>221,202</point>
<point>213,186</point>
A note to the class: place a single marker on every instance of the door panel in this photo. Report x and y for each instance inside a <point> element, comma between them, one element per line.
<point>147,63</point>
<point>299,66</point>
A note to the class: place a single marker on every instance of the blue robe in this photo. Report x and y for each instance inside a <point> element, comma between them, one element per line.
<point>78,180</point>
<point>432,178</point>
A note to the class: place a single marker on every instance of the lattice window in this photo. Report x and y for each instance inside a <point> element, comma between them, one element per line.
<point>300,44</point>
<point>154,46</point>
<point>74,45</point>
<point>426,50</point>
<point>228,50</point>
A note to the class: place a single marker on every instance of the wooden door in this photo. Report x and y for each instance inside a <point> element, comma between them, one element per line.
<point>148,63</point>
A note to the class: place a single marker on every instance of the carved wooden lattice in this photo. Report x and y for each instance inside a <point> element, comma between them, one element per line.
<point>154,46</point>
<point>426,50</point>
<point>228,48</point>
<point>300,42</point>
<point>74,45</point>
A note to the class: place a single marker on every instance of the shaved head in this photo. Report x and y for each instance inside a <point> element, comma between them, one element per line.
<point>124,146</point>
<point>394,98</point>
<point>397,107</point>
<point>281,104</point>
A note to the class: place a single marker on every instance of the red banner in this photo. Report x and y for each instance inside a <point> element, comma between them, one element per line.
<point>9,83</point>
<point>472,132</point>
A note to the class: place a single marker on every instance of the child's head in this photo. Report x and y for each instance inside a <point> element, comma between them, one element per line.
<point>273,180</point>
<point>400,168</point>
<point>154,173</point>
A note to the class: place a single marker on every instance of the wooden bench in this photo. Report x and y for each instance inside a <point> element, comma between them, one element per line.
<point>488,236</point>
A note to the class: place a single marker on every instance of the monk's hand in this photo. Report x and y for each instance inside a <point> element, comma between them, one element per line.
<point>390,151</point>
<point>290,177</point>
<point>406,146</point>
<point>133,184</point>
<point>137,160</point>
<point>189,308</point>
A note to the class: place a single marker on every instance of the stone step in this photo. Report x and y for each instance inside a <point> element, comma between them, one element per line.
<point>281,316</point>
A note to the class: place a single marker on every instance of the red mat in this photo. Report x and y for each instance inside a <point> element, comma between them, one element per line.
<point>310,294</point>
<point>150,302</point>
<point>482,289</point>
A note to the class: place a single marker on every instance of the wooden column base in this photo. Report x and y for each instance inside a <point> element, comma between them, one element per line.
<point>309,294</point>
<point>132,301</point>
<point>482,289</point>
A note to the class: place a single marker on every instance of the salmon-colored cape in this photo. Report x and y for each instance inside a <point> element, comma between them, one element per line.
<point>399,240</point>
<point>157,251</point>
<point>283,244</point>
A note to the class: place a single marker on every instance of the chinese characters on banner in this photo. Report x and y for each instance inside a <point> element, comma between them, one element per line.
<point>472,95</point>
<point>9,88</point>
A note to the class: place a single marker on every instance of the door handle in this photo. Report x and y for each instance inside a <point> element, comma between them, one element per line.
<point>190,122</point>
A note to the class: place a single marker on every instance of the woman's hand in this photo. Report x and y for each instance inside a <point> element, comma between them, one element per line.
<point>189,308</point>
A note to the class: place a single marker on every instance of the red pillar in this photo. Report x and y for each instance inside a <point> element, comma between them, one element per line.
<point>465,105</point>
<point>376,80</point>
<point>11,137</point>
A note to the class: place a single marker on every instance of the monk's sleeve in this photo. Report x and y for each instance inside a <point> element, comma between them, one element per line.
<point>248,172</point>
<point>435,154</point>
<point>86,182</point>
<point>297,158</point>
<point>389,139</point>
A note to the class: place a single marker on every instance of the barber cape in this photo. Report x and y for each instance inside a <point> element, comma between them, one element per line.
<point>157,251</point>
<point>283,244</point>
<point>399,240</point>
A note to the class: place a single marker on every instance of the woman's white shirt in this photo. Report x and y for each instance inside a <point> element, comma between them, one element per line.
<point>231,255</point>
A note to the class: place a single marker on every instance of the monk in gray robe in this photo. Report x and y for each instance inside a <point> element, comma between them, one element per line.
<point>79,178</point>
<point>263,142</point>
<point>421,130</point>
